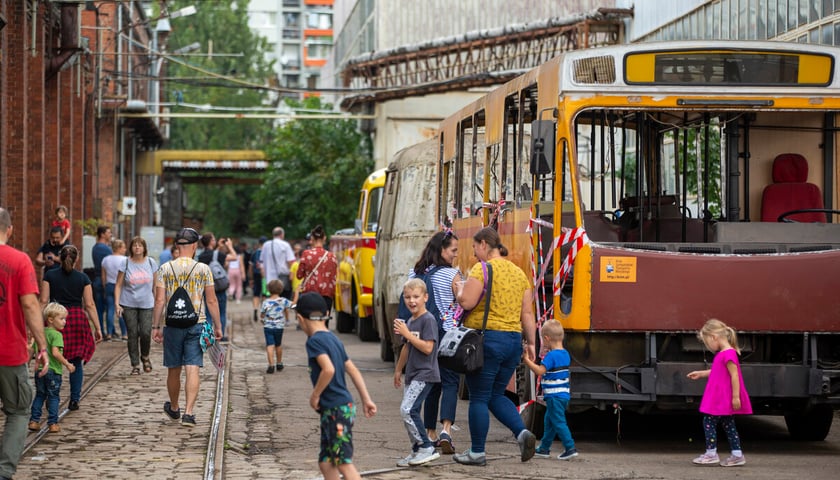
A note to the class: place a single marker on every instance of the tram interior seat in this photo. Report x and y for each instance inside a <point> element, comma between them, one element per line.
<point>663,216</point>
<point>791,191</point>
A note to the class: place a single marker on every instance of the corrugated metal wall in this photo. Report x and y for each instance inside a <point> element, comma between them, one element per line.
<point>406,22</point>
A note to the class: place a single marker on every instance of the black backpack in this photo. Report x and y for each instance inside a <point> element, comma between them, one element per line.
<point>180,312</point>
<point>431,306</point>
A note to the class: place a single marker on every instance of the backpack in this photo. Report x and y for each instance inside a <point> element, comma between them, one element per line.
<point>431,306</point>
<point>220,278</point>
<point>180,312</point>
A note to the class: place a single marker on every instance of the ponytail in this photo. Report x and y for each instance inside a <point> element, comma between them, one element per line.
<point>68,255</point>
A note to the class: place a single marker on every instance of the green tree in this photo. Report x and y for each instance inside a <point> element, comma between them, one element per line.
<point>222,26</point>
<point>317,169</point>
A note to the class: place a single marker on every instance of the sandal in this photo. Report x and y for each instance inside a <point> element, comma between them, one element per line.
<point>147,365</point>
<point>135,371</point>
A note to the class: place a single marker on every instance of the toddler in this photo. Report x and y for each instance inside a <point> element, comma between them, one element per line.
<point>48,386</point>
<point>720,400</point>
<point>273,313</point>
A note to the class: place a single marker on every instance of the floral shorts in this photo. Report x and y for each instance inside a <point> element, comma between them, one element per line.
<point>337,434</point>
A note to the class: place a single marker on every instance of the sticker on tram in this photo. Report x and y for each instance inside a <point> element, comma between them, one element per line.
<point>618,269</point>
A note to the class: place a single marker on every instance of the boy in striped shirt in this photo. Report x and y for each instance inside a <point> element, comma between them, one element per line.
<point>554,370</point>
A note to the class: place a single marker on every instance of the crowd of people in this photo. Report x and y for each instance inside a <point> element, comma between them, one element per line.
<point>180,299</point>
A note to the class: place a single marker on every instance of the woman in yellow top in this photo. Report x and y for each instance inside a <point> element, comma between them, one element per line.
<point>510,319</point>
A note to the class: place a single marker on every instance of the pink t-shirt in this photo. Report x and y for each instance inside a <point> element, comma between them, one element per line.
<point>717,398</point>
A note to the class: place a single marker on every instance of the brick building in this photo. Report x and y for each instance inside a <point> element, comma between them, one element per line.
<point>67,69</point>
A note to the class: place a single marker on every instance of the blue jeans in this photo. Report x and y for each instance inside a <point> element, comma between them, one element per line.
<point>47,388</point>
<point>222,297</point>
<point>448,387</point>
<point>555,424</point>
<point>99,300</point>
<point>110,307</point>
<point>77,378</point>
<point>413,396</point>
<point>502,352</point>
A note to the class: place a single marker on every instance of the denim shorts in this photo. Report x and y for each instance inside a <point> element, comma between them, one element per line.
<point>273,336</point>
<point>181,346</point>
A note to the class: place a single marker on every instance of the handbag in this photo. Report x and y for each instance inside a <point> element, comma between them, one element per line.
<point>462,349</point>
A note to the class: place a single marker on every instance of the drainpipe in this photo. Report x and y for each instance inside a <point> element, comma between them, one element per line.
<point>69,39</point>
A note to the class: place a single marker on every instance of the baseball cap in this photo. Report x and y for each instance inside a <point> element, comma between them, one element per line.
<point>263,239</point>
<point>186,236</point>
<point>309,303</point>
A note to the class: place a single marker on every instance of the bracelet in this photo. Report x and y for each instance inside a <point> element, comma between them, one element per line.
<point>155,328</point>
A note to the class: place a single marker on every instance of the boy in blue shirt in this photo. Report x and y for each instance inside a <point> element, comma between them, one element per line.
<point>556,393</point>
<point>330,397</point>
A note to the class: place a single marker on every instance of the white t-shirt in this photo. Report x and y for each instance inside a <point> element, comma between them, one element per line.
<point>276,257</point>
<point>111,265</point>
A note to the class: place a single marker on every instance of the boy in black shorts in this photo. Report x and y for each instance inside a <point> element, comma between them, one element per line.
<point>328,363</point>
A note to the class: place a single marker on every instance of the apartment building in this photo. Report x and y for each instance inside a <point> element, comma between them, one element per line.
<point>300,34</point>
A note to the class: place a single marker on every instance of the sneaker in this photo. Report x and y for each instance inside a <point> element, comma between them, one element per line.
<point>188,420</point>
<point>171,414</point>
<point>34,426</point>
<point>445,444</point>
<point>542,453</point>
<point>55,428</point>
<point>706,459</point>
<point>73,405</point>
<point>279,367</point>
<point>270,369</point>
<point>568,454</point>
<point>470,458</point>
<point>733,461</point>
<point>405,462</point>
<point>424,455</point>
<point>527,445</point>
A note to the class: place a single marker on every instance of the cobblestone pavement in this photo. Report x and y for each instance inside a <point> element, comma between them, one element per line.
<point>271,433</point>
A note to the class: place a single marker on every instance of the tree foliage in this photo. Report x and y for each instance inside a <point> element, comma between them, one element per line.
<point>222,26</point>
<point>317,169</point>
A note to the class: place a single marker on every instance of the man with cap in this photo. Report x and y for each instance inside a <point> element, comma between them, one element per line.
<point>181,348</point>
<point>256,277</point>
<point>328,362</point>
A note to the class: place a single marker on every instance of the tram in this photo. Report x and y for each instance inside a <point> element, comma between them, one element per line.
<point>647,188</point>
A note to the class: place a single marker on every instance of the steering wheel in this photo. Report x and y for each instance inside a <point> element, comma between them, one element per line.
<point>783,217</point>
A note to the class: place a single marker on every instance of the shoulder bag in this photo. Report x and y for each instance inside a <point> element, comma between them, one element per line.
<point>314,269</point>
<point>462,349</point>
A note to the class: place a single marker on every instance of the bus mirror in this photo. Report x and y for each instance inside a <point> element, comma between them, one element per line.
<point>357,226</point>
<point>542,147</point>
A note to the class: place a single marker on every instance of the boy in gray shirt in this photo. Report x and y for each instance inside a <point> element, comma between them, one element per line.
<point>419,357</point>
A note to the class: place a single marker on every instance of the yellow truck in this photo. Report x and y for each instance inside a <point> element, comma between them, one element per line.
<point>355,253</point>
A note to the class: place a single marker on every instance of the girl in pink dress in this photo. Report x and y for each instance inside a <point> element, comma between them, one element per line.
<point>725,394</point>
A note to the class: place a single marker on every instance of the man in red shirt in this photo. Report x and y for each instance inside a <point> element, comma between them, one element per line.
<point>18,300</point>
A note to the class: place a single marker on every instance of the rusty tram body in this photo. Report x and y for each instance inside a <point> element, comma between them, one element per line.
<point>648,188</point>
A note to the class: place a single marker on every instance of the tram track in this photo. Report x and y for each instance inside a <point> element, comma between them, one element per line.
<point>111,360</point>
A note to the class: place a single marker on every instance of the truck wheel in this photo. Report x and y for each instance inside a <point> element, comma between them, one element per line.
<point>365,329</point>
<point>811,425</point>
<point>344,323</point>
<point>386,350</point>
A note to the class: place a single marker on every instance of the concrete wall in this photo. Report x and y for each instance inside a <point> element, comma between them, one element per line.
<point>409,121</point>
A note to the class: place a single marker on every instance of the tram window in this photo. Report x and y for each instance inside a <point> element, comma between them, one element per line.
<point>471,158</point>
<point>494,157</point>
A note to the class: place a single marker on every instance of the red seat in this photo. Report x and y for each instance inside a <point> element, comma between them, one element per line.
<point>791,191</point>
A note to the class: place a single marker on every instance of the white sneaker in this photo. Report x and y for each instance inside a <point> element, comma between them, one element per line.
<point>404,462</point>
<point>424,455</point>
